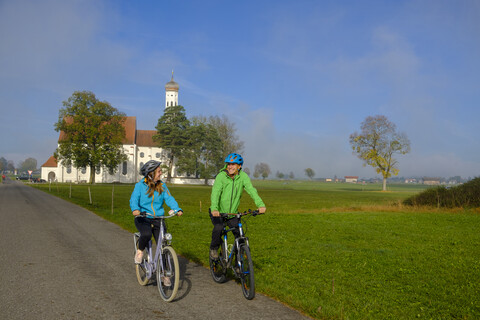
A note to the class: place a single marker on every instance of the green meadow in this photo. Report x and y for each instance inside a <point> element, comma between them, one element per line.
<point>333,251</point>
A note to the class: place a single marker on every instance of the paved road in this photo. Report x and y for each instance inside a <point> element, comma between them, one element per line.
<point>60,261</point>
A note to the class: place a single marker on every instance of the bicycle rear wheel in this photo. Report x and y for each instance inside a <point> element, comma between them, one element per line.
<point>246,272</point>
<point>140,268</point>
<point>168,275</point>
<point>217,269</point>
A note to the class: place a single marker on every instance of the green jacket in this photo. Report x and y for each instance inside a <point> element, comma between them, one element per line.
<point>227,192</point>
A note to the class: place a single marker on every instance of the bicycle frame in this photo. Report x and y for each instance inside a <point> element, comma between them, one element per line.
<point>150,265</point>
<point>228,256</point>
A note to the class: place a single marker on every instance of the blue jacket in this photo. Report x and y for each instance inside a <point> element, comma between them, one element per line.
<point>152,206</point>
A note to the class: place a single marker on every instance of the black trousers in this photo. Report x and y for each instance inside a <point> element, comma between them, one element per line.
<point>147,227</point>
<point>218,223</point>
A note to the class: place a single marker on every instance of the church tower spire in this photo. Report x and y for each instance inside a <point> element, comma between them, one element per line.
<point>171,93</point>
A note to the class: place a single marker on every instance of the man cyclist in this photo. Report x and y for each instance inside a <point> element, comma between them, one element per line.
<point>226,194</point>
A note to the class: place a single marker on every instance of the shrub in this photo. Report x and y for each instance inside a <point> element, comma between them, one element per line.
<point>466,195</point>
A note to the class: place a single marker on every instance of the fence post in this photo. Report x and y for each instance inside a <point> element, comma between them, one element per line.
<point>200,205</point>
<point>113,188</point>
<point>70,195</point>
<point>89,195</point>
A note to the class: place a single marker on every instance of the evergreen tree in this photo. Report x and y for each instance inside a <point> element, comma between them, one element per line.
<point>172,134</point>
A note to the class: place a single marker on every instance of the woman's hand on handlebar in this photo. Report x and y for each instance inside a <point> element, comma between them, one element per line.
<point>172,212</point>
<point>262,210</point>
<point>136,212</point>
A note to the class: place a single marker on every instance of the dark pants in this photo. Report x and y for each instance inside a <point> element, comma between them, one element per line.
<point>147,227</point>
<point>218,223</point>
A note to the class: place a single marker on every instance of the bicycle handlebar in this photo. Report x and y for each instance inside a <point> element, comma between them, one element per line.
<point>249,211</point>
<point>144,214</point>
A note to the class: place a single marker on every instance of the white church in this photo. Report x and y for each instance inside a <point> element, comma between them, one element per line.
<point>139,147</point>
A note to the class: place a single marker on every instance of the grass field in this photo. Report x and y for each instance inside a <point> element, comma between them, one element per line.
<point>334,251</point>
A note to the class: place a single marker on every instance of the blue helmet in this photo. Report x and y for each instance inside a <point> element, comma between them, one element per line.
<point>234,158</point>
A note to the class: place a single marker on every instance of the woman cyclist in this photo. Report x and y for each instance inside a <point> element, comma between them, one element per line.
<point>226,193</point>
<point>148,196</point>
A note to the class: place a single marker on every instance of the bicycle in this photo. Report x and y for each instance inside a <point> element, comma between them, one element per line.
<point>235,256</point>
<point>164,264</point>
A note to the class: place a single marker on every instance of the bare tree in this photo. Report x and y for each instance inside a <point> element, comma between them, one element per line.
<point>262,169</point>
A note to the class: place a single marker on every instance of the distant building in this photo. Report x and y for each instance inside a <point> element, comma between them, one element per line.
<point>431,181</point>
<point>139,147</point>
<point>351,179</point>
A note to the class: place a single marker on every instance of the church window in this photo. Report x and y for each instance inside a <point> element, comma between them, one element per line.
<point>157,154</point>
<point>84,170</point>
<point>97,169</point>
<point>69,169</point>
<point>142,154</point>
<point>124,168</point>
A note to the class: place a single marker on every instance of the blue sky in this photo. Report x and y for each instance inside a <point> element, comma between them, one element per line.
<point>296,77</point>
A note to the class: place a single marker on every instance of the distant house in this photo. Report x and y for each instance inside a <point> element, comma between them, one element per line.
<point>351,179</point>
<point>431,181</point>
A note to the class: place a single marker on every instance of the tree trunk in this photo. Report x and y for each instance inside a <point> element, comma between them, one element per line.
<point>384,188</point>
<point>170,169</point>
<point>92,174</point>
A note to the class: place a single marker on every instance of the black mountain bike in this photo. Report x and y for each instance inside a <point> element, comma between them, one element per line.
<point>235,256</point>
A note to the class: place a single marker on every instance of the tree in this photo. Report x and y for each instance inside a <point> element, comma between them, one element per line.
<point>227,132</point>
<point>261,169</point>
<point>246,170</point>
<point>28,164</point>
<point>280,175</point>
<point>377,143</point>
<point>201,155</point>
<point>92,134</point>
<point>3,164</point>
<point>310,173</point>
<point>172,134</point>
<point>10,165</point>
<point>291,176</point>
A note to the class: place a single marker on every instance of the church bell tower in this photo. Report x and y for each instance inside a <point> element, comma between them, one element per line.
<point>171,93</point>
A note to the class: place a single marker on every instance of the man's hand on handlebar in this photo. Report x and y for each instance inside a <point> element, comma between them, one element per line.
<point>215,213</point>
<point>262,210</point>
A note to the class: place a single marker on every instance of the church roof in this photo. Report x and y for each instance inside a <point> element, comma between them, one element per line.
<point>145,138</point>
<point>171,85</point>
<point>130,125</point>
<point>51,162</point>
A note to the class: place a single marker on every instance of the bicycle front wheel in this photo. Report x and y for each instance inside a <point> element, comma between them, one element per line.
<point>246,272</point>
<point>168,274</point>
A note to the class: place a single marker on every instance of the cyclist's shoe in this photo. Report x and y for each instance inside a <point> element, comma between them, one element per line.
<point>167,282</point>
<point>214,254</point>
<point>138,257</point>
